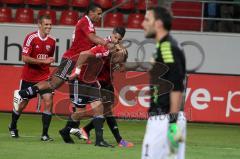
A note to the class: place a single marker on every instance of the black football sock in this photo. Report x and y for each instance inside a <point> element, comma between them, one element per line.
<point>29,93</point>
<point>112,124</point>
<point>46,120</point>
<point>72,124</point>
<point>15,117</point>
<point>98,125</point>
<point>89,127</point>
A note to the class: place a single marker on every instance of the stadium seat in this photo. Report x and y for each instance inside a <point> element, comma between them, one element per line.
<point>35,2</point>
<point>5,15</point>
<point>186,24</point>
<point>13,1</point>
<point>192,9</point>
<point>58,3</point>
<point>69,17</point>
<point>105,4</point>
<point>50,12</point>
<point>113,20</point>
<point>24,15</point>
<point>127,6</point>
<point>135,20</point>
<point>141,5</point>
<point>80,3</point>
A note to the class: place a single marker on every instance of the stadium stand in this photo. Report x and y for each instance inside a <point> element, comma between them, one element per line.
<point>141,5</point>
<point>130,5</point>
<point>5,15</point>
<point>192,9</point>
<point>114,19</point>
<point>186,24</point>
<point>69,17</point>
<point>80,3</point>
<point>35,2</point>
<point>50,12</point>
<point>105,4</point>
<point>187,9</point>
<point>58,3</point>
<point>135,20</point>
<point>188,15</point>
<point>15,2</point>
<point>24,15</point>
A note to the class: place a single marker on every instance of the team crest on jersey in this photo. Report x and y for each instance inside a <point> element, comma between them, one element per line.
<point>48,47</point>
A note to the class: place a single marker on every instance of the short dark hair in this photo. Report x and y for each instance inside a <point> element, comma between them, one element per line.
<point>44,16</point>
<point>93,7</point>
<point>120,30</point>
<point>163,14</point>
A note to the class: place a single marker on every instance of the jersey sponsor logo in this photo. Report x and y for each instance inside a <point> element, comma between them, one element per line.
<point>42,56</point>
<point>48,47</point>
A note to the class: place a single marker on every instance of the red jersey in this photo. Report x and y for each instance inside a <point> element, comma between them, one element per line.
<point>89,72</point>
<point>105,74</point>
<point>80,41</point>
<point>36,47</point>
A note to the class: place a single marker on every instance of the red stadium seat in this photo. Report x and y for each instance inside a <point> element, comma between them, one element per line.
<point>69,17</point>
<point>13,1</point>
<point>24,15</point>
<point>35,2</point>
<point>50,12</point>
<point>80,3</point>
<point>187,9</point>
<point>5,15</point>
<point>141,5</point>
<point>113,20</point>
<point>135,20</point>
<point>186,24</point>
<point>58,3</point>
<point>127,6</point>
<point>105,4</point>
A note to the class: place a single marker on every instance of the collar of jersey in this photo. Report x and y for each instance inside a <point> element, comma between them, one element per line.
<point>38,33</point>
<point>89,20</point>
<point>162,40</point>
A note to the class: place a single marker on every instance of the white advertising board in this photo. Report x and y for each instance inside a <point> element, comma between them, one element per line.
<point>205,52</point>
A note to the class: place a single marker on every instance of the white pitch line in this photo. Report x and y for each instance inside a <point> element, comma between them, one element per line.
<point>22,136</point>
<point>221,148</point>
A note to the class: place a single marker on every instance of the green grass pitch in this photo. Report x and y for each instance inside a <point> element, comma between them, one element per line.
<point>204,141</point>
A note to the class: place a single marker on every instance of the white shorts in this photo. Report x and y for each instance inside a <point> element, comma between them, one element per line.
<point>155,143</point>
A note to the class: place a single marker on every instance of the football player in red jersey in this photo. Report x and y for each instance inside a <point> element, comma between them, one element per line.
<point>84,38</point>
<point>94,78</point>
<point>105,79</point>
<point>37,54</point>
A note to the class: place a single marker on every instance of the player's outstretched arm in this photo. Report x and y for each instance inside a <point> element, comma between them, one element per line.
<point>100,41</point>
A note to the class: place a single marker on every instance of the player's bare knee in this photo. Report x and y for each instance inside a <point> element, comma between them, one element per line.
<point>48,105</point>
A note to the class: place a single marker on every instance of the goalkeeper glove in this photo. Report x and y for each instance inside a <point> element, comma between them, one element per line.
<point>172,133</point>
<point>175,136</point>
